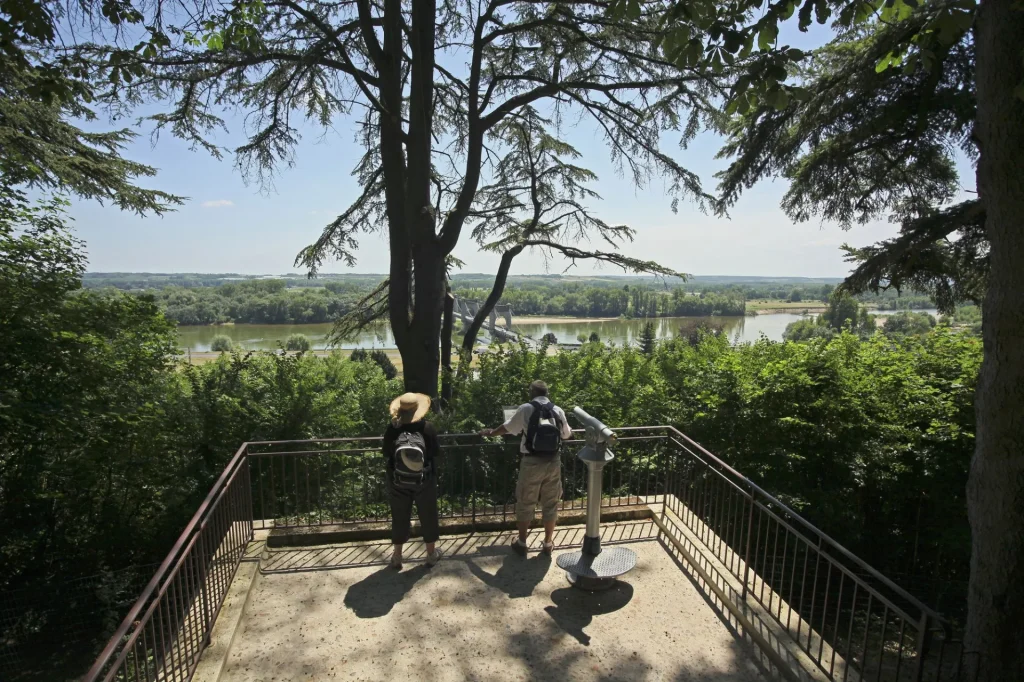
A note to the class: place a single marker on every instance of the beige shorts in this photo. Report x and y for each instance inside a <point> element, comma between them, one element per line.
<point>540,482</point>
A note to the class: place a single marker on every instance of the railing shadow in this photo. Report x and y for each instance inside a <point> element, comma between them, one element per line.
<point>455,547</point>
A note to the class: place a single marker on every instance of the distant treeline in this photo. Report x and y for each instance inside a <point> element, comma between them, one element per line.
<point>573,300</point>
<point>200,299</point>
<point>266,301</point>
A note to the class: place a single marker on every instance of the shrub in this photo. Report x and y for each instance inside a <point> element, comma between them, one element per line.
<point>384,362</point>
<point>299,342</point>
<point>222,343</point>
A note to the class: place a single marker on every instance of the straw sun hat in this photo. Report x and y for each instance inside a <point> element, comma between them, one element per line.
<point>410,407</point>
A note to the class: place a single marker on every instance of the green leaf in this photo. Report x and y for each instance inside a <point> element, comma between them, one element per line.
<point>780,99</point>
<point>822,11</point>
<point>766,38</point>
<point>805,15</point>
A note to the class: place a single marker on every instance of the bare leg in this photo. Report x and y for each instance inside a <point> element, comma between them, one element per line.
<point>397,556</point>
<point>549,531</point>
<point>524,528</point>
<point>430,547</point>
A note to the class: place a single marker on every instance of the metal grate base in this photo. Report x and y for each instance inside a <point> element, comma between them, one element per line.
<point>597,572</point>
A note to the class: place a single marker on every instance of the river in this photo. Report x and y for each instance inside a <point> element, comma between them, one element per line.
<point>269,336</point>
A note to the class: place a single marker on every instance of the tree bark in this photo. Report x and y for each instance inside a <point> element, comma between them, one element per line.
<point>469,340</point>
<point>995,490</point>
<point>447,327</point>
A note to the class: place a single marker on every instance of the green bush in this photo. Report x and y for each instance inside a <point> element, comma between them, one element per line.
<point>381,359</point>
<point>298,342</point>
<point>222,343</point>
<point>908,323</point>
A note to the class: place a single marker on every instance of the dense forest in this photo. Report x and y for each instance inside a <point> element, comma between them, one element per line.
<point>109,444</point>
<point>257,301</point>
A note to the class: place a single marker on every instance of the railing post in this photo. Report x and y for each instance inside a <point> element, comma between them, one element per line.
<point>207,625</point>
<point>472,487</point>
<point>923,642</point>
<point>247,498</point>
<point>746,551</point>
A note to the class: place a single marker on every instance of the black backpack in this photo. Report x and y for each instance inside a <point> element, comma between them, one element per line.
<point>411,466</point>
<point>544,434</point>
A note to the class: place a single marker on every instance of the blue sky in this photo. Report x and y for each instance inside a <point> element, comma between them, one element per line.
<point>228,225</point>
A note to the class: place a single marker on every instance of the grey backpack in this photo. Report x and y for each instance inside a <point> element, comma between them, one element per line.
<point>411,466</point>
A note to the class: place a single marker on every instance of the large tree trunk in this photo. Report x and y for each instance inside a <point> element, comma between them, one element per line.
<point>995,490</point>
<point>421,352</point>
<point>416,291</point>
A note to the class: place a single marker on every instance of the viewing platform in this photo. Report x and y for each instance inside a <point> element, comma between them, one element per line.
<point>282,575</point>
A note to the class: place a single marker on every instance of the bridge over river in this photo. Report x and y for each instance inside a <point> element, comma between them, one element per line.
<point>466,310</point>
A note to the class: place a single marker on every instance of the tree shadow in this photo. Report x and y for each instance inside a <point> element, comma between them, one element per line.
<point>574,609</point>
<point>517,576</point>
<point>376,594</point>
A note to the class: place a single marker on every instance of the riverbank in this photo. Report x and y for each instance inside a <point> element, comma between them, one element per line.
<point>553,319</point>
<point>776,307</point>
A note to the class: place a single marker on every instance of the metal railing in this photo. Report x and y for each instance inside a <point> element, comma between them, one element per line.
<point>342,481</point>
<point>167,629</point>
<point>852,621</point>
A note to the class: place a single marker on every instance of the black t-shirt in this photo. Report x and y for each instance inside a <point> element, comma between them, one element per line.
<point>429,437</point>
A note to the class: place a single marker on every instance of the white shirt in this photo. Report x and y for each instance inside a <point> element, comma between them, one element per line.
<point>520,422</point>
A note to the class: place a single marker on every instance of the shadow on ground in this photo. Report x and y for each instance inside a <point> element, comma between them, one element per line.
<point>574,609</point>
<point>517,576</point>
<point>376,594</point>
<point>377,552</point>
<point>483,614</point>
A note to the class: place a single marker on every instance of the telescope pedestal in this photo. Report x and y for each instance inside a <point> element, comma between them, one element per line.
<point>593,568</point>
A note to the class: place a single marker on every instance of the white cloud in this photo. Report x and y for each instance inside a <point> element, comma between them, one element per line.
<point>217,203</point>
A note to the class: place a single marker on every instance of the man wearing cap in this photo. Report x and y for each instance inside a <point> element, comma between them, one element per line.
<point>411,447</point>
<point>540,473</point>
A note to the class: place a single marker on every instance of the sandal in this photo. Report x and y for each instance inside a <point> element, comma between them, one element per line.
<point>547,548</point>
<point>432,559</point>
<point>395,563</point>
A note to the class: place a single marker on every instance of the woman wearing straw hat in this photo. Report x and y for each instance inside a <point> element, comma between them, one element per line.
<point>410,447</point>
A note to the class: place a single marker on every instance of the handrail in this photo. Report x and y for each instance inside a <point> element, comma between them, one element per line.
<point>233,487</point>
<point>917,603</point>
<point>161,572</point>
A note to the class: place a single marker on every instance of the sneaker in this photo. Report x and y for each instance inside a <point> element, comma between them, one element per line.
<point>520,547</point>
<point>547,548</point>
<point>434,557</point>
<point>395,563</point>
